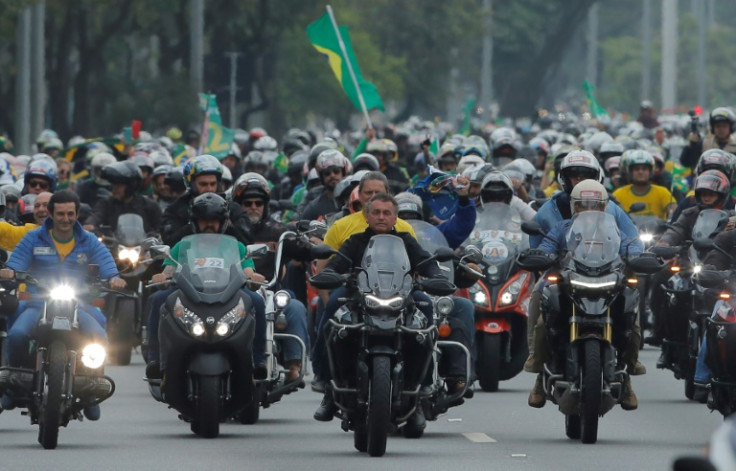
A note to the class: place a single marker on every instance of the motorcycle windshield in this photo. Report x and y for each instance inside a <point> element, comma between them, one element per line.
<point>209,258</point>
<point>431,238</point>
<point>497,233</point>
<point>593,239</point>
<point>708,222</point>
<point>130,230</point>
<point>386,268</point>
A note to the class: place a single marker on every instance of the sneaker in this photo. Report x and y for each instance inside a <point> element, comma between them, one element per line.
<point>531,365</point>
<point>417,421</point>
<point>294,369</point>
<point>662,361</point>
<point>318,384</point>
<point>700,394</point>
<point>92,412</point>
<point>538,397</point>
<point>153,370</point>
<point>653,341</point>
<point>7,402</point>
<point>629,401</point>
<point>638,369</point>
<point>327,408</point>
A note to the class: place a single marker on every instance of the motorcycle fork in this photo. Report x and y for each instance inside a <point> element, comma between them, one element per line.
<point>607,327</point>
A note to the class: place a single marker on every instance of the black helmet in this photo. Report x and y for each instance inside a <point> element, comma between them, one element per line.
<point>175,180</point>
<point>126,173</point>
<point>210,206</point>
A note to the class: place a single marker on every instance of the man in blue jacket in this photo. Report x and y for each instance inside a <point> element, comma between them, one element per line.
<point>59,250</point>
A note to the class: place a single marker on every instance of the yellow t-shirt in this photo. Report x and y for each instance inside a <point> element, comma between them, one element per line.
<point>10,235</point>
<point>344,227</point>
<point>656,200</point>
<point>551,190</point>
<point>63,248</point>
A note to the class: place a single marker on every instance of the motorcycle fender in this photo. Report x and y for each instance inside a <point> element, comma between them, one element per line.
<point>492,326</point>
<point>551,298</point>
<point>631,299</point>
<point>209,364</point>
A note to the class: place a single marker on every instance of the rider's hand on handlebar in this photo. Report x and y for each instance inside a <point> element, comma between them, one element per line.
<point>89,227</point>
<point>7,274</point>
<point>159,278</point>
<point>117,283</point>
<point>253,276</point>
<point>475,267</point>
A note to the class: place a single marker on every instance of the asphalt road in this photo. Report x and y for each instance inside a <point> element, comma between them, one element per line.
<point>495,431</point>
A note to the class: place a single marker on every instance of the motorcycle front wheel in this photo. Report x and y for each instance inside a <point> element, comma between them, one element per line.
<point>50,415</point>
<point>489,362</point>
<point>207,408</point>
<point>592,385</point>
<point>379,406</point>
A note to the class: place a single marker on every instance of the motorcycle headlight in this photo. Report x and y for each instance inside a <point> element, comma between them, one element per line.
<point>646,237</point>
<point>512,290</point>
<point>444,305</point>
<point>588,282</point>
<point>62,293</point>
<point>132,254</point>
<point>197,329</point>
<point>93,356</point>
<point>185,316</point>
<point>374,302</point>
<point>697,268</point>
<point>480,298</point>
<point>235,315</point>
<point>281,299</point>
<point>222,329</point>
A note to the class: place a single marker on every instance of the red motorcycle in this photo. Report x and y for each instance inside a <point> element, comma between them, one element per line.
<point>501,297</point>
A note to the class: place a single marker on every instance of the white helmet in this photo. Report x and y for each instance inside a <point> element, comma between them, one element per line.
<point>588,195</point>
<point>100,161</point>
<point>578,163</point>
<point>470,160</point>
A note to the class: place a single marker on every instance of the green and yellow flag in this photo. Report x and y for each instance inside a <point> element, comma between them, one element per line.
<point>217,140</point>
<point>595,109</point>
<point>322,36</point>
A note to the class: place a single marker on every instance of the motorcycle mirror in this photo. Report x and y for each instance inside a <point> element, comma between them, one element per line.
<point>257,250</point>
<point>645,263</point>
<point>665,252</point>
<point>444,254</point>
<point>303,225</point>
<point>534,260</point>
<point>703,244</point>
<point>473,254</point>
<point>317,226</point>
<point>327,279</point>
<point>159,252</point>
<point>711,278</point>
<point>322,251</point>
<point>637,208</point>
<point>149,242</point>
<point>532,228</point>
<point>437,286</point>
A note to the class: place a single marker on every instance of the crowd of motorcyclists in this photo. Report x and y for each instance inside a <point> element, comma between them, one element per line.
<point>504,193</point>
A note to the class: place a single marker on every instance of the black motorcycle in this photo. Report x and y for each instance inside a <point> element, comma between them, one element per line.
<point>589,308</point>
<point>129,246</point>
<point>206,334</point>
<point>688,305</point>
<point>69,368</point>
<point>380,345</point>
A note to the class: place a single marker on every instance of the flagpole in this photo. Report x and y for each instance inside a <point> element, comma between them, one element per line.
<point>350,66</point>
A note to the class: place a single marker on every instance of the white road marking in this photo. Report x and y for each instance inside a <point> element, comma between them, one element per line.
<point>479,437</point>
<point>454,420</point>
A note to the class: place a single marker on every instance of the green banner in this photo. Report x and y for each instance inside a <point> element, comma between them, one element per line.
<point>595,109</point>
<point>219,139</point>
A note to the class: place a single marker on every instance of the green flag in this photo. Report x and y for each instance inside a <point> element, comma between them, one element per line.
<point>467,114</point>
<point>217,139</point>
<point>281,163</point>
<point>596,109</point>
<point>322,36</point>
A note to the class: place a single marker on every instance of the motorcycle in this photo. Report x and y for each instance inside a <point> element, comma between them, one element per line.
<point>69,369</point>
<point>379,345</point>
<point>206,334</point>
<point>688,304</point>
<point>589,308</point>
<point>440,399</point>
<point>126,326</point>
<point>501,298</point>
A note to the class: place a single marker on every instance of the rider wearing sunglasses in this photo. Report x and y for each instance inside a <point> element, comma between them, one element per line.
<point>40,176</point>
<point>331,166</point>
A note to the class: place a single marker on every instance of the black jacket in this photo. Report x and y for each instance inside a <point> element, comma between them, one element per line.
<point>107,211</point>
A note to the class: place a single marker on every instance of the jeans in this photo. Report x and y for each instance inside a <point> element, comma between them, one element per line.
<point>320,362</point>
<point>259,342</point>
<point>296,324</point>
<point>92,324</point>
<point>702,371</point>
<point>462,321</point>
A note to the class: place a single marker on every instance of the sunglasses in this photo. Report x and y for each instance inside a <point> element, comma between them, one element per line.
<point>39,184</point>
<point>251,203</point>
<point>331,171</point>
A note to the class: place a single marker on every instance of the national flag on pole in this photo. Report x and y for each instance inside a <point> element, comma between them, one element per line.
<point>595,109</point>
<point>467,115</point>
<point>322,35</point>
<point>217,140</point>
<point>281,163</point>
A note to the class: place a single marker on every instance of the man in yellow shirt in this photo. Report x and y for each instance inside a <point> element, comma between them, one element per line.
<point>657,199</point>
<point>10,235</point>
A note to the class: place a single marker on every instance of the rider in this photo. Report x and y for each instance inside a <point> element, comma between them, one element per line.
<point>126,180</point>
<point>386,152</point>
<point>95,187</point>
<point>722,124</point>
<point>40,176</point>
<point>332,166</point>
<point>588,195</point>
<point>209,215</point>
<point>59,249</point>
<point>497,187</point>
<point>658,200</point>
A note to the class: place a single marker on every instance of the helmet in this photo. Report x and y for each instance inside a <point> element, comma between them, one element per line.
<point>251,185</point>
<point>161,170</point>
<point>100,161</point>
<point>143,161</point>
<point>227,175</point>
<point>354,204</point>
<point>588,194</point>
<point>75,141</point>
<point>366,161</point>
<point>540,145</point>
<point>94,148</point>
<point>712,180</point>
<point>312,178</point>
<point>317,149</point>
<point>332,158</point>
<point>45,135</point>
<point>478,173</point>
<point>581,163</point>
<point>256,133</point>
<point>241,137</point>
<point>720,160</point>
<point>234,151</point>
<point>410,206</point>
<point>722,114</point>
<point>42,156</point>
<point>26,207</point>
<point>646,105</point>
<point>203,165</point>
<point>526,167</point>
<point>44,169</point>
<point>469,161</point>
<point>53,143</point>
<point>639,157</point>
<point>343,189</point>
<point>175,180</point>
<point>165,142</point>
<point>146,147</point>
<point>210,206</point>
<point>11,193</point>
<point>255,160</point>
<point>292,145</point>
<point>126,173</point>
<point>266,143</point>
<point>610,149</point>
<point>612,163</point>
<point>161,157</point>
<point>298,163</point>
<point>496,187</point>
<point>594,142</point>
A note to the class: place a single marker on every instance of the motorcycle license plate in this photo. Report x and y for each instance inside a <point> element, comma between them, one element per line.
<point>61,323</point>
